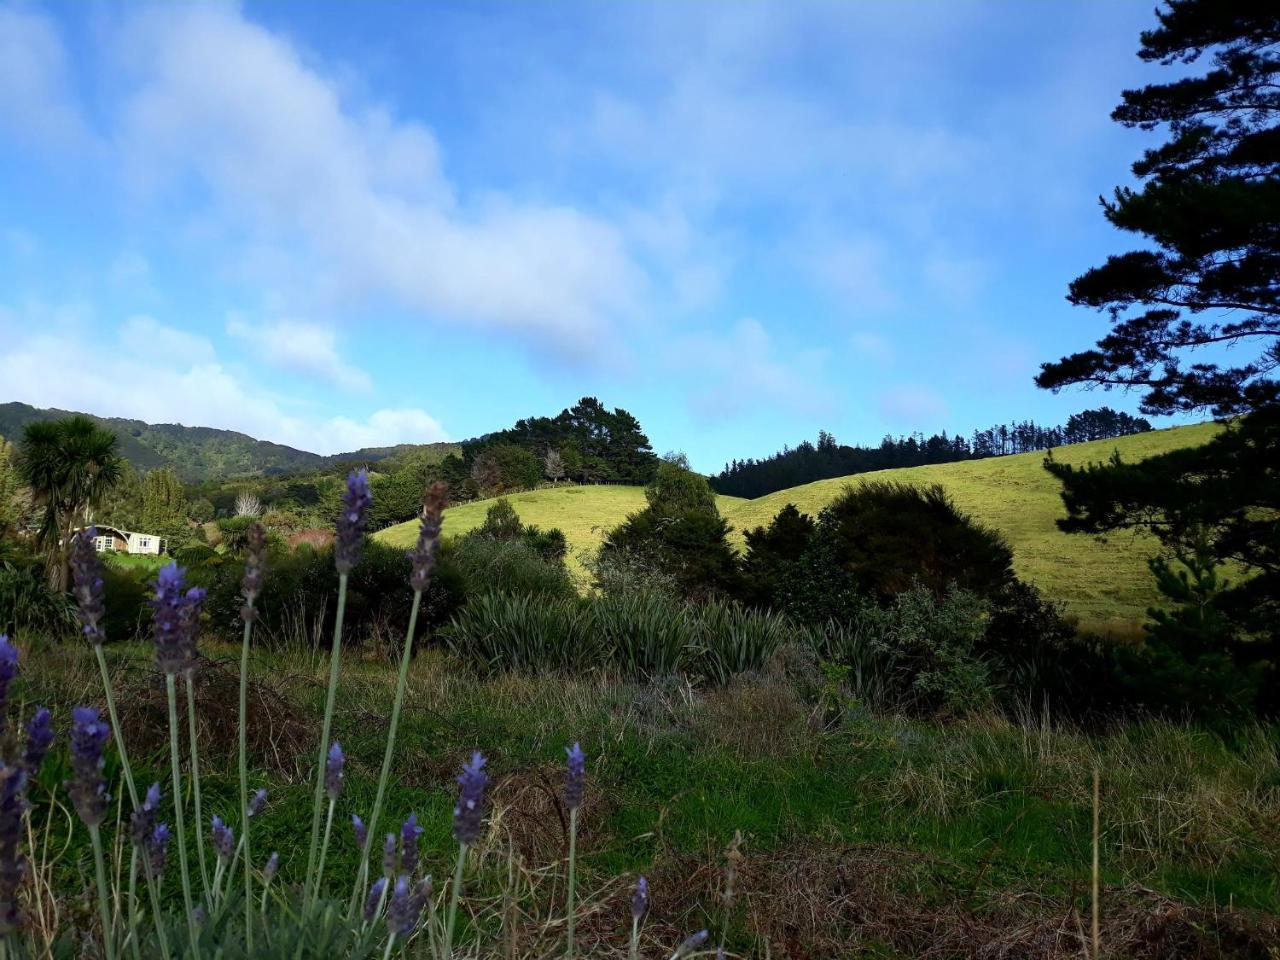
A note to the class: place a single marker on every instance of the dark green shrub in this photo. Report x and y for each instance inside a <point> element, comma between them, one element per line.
<point>299,596</point>
<point>551,545</point>
<point>127,592</point>
<point>508,566</point>
<point>770,550</point>
<point>1196,660</point>
<point>891,537</point>
<point>931,657</point>
<point>501,522</point>
<point>680,536</point>
<point>692,549</point>
<point>27,603</point>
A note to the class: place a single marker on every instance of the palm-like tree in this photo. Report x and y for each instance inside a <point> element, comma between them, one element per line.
<point>68,464</point>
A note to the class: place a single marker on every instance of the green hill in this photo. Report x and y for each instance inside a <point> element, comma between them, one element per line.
<point>201,453</point>
<point>1106,584</point>
<point>585,514</point>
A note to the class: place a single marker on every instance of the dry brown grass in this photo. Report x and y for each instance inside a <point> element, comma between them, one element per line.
<point>280,734</point>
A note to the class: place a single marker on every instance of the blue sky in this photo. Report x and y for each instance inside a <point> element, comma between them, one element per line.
<point>342,225</point>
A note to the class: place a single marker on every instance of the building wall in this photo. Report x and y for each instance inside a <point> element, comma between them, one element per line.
<point>144,543</point>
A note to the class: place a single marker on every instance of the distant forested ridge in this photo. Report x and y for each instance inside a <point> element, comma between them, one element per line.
<point>199,454</point>
<point>827,458</point>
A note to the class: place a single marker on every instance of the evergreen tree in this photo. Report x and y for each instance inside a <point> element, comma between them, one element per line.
<point>1209,277</point>
<point>1209,211</point>
<point>163,504</point>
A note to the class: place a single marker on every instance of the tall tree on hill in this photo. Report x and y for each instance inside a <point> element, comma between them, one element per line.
<point>1209,279</point>
<point>1209,209</point>
<point>69,465</point>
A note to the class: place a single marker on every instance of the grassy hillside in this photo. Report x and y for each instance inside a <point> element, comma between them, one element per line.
<point>1105,584</point>
<point>585,514</point>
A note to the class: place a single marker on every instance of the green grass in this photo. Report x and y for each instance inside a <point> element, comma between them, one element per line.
<point>953,818</point>
<point>585,514</point>
<point>1107,585</point>
<point>136,561</point>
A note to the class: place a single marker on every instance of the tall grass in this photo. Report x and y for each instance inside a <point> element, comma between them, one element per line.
<point>221,916</point>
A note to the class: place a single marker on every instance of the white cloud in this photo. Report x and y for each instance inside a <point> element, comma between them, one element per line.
<point>283,156</point>
<point>385,428</point>
<point>177,379</point>
<point>37,102</point>
<point>303,347</point>
<point>146,340</point>
<point>741,371</point>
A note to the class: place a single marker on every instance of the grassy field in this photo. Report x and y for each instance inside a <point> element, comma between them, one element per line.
<point>585,514</point>
<point>1106,585</point>
<point>862,835</point>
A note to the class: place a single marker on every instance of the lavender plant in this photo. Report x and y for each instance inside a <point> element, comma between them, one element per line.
<point>574,788</point>
<point>394,910</point>
<point>175,612</point>
<point>422,560</point>
<point>89,796</point>
<point>250,588</point>
<point>356,500</point>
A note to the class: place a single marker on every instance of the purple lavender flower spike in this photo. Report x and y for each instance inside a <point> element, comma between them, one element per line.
<point>333,770</point>
<point>13,867</point>
<point>361,831</point>
<point>409,834</point>
<point>193,603</point>
<point>143,821</point>
<point>423,556</point>
<point>158,848</point>
<point>404,909</point>
<point>8,670</point>
<point>272,867</point>
<point>224,840</point>
<point>172,619</point>
<point>390,861</point>
<point>86,578</point>
<point>356,500</point>
<point>469,813</point>
<point>575,777</point>
<point>257,802</point>
<point>40,738</point>
<point>692,944</point>
<point>254,565</point>
<point>87,787</point>
<point>640,899</point>
<point>374,899</point>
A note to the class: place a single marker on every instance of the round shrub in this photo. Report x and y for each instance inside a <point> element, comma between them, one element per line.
<point>892,536</point>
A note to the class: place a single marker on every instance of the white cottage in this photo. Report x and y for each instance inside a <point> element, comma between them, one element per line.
<point>127,541</point>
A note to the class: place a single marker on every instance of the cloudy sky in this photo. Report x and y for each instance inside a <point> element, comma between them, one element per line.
<point>341,225</point>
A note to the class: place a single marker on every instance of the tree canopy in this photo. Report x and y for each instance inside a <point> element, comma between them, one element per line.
<point>1208,275</point>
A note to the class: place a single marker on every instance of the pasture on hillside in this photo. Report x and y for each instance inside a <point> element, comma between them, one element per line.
<point>1106,584</point>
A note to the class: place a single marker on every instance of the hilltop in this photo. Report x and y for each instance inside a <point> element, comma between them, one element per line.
<point>202,453</point>
<point>1106,584</point>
